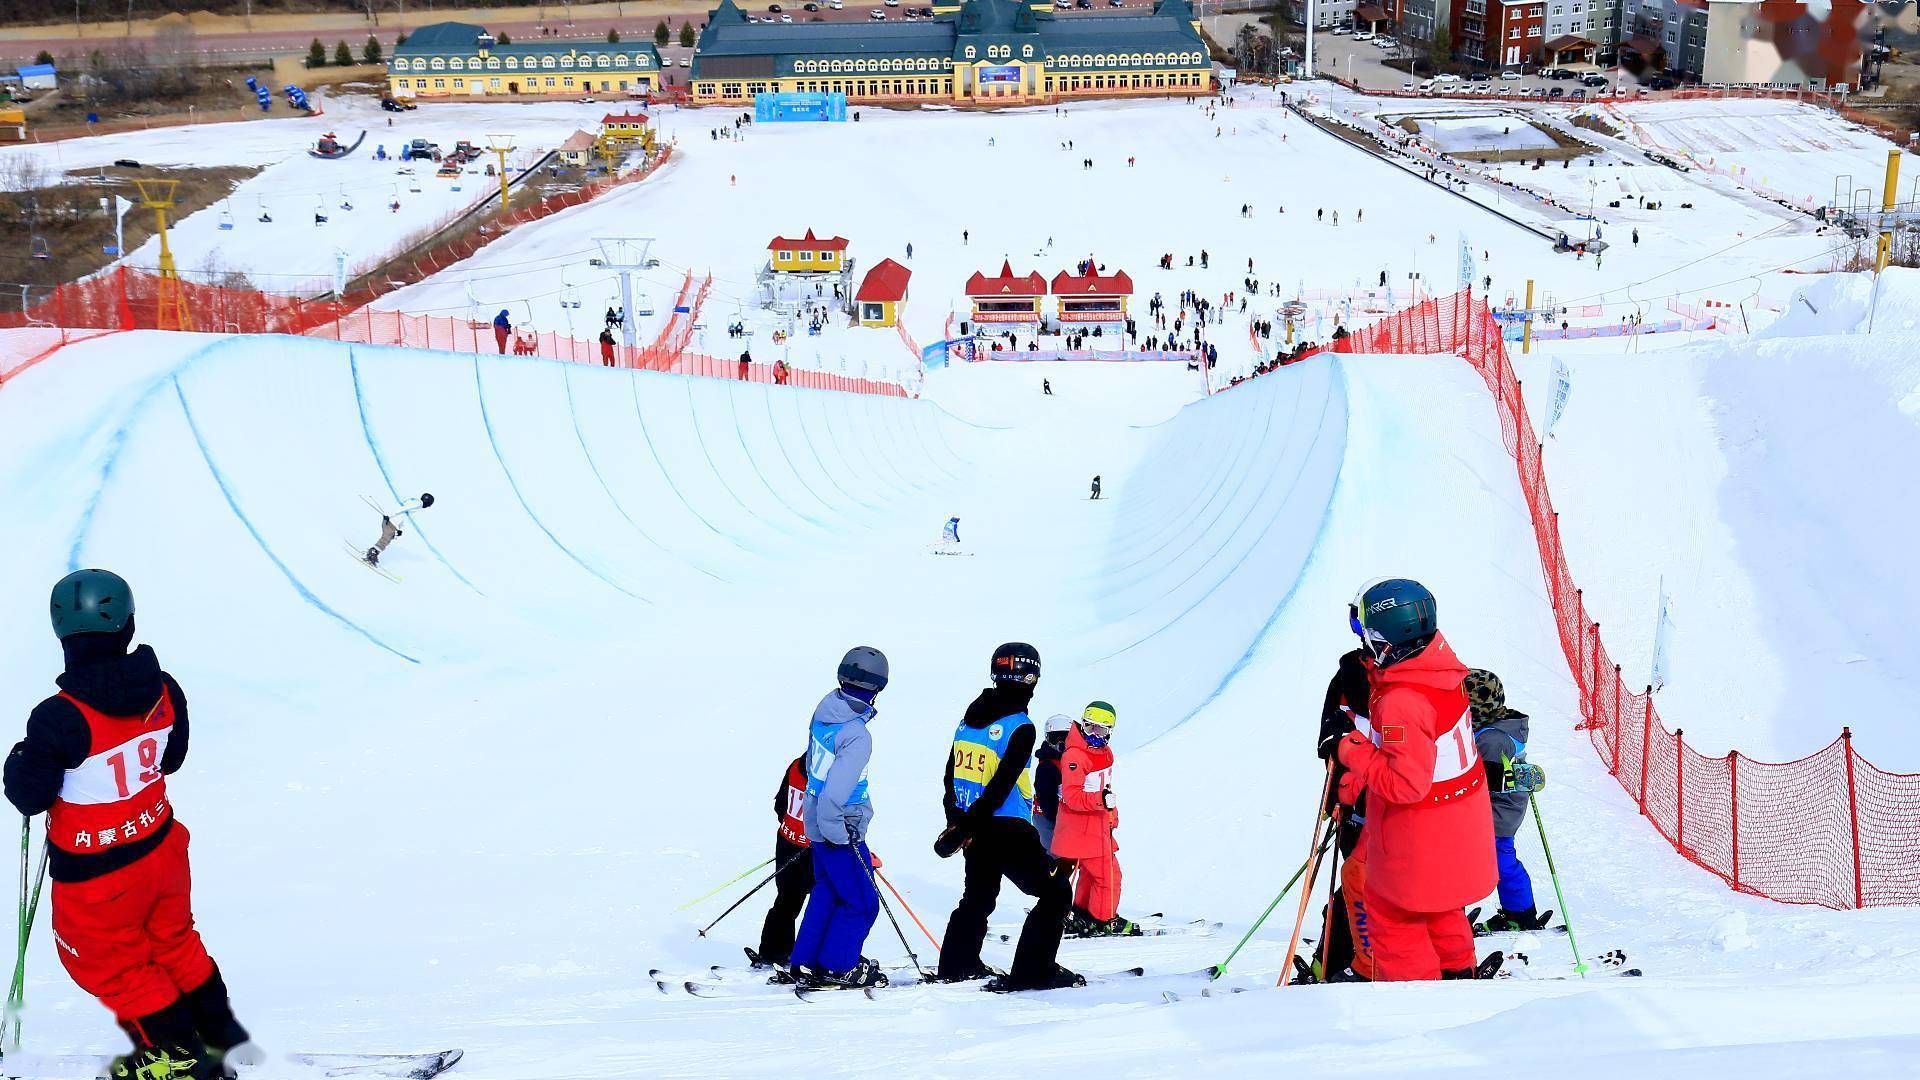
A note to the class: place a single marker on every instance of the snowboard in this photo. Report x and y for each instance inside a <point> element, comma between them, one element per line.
<point>20,1066</point>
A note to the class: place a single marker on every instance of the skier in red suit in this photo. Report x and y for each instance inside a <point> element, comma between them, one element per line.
<point>1429,832</point>
<point>96,760</point>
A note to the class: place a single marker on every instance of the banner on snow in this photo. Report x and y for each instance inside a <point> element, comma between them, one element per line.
<point>1662,625</point>
<point>1562,386</point>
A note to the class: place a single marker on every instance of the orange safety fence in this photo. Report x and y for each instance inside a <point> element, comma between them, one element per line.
<point>1830,828</point>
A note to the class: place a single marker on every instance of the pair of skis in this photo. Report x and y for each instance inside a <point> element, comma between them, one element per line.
<point>21,1066</point>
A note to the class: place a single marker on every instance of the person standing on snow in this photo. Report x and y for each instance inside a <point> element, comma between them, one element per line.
<point>1088,817</point>
<point>606,346</point>
<point>837,810</point>
<point>1096,487</point>
<point>1429,831</point>
<point>95,760</point>
<point>502,327</point>
<point>1046,777</point>
<point>793,868</point>
<point>1346,954</point>
<point>1500,735</point>
<point>988,797</point>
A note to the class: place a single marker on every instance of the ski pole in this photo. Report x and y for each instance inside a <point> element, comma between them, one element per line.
<point>873,874</point>
<point>723,886</point>
<point>1313,874</point>
<point>909,909</point>
<point>1579,963</point>
<point>1221,968</point>
<point>17,991</point>
<point>1333,886</point>
<point>763,884</point>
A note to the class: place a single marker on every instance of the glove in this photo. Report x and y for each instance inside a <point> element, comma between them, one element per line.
<point>1355,750</point>
<point>854,832</point>
<point>950,840</point>
<point>1349,787</point>
<point>1524,776</point>
<point>873,859</point>
<point>1106,798</point>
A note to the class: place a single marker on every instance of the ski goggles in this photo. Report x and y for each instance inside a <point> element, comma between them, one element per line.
<point>1095,734</point>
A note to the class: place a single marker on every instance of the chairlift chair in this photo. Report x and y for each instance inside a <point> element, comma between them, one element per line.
<point>39,249</point>
<point>265,215</point>
<point>569,296</point>
<point>346,201</point>
<point>226,217</point>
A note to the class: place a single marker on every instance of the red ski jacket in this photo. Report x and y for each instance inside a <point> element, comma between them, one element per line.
<point>1083,828</point>
<point>1429,834</point>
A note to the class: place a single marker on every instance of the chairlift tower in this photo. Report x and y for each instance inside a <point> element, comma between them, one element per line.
<point>502,145</point>
<point>624,255</point>
<point>171,313</point>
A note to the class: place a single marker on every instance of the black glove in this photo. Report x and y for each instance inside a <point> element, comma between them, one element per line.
<point>950,840</point>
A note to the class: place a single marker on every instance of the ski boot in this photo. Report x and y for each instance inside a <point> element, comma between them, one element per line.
<point>1059,979</point>
<point>1486,969</point>
<point>1305,974</point>
<point>373,557</point>
<point>165,1063</point>
<point>865,974</point>
<point>1511,921</point>
<point>974,974</point>
<point>1117,927</point>
<point>1081,923</point>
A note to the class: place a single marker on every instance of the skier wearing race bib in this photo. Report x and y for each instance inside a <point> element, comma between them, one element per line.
<point>837,811</point>
<point>95,760</point>
<point>1429,830</point>
<point>1500,734</point>
<point>793,877</point>
<point>1088,817</point>
<point>988,796</point>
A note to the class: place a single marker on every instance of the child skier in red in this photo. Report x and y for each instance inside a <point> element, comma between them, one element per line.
<point>1084,825</point>
<point>96,760</point>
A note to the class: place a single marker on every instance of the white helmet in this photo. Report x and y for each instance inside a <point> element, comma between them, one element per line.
<point>1059,722</point>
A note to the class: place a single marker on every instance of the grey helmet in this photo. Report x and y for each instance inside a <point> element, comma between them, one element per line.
<point>91,602</point>
<point>865,667</point>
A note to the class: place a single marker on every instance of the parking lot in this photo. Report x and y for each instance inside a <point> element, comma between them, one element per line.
<point>1361,60</point>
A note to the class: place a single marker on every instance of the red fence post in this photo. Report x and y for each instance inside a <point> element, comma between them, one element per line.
<point>1595,690</point>
<point>1646,747</point>
<point>1679,790</point>
<point>1618,682</point>
<point>1733,777</point>
<point>1853,816</point>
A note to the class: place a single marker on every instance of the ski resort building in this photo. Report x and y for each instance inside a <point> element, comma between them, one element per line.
<point>881,292</point>
<point>972,50</point>
<point>455,59</point>
<point>1007,297</point>
<point>1093,297</point>
<point>809,269</point>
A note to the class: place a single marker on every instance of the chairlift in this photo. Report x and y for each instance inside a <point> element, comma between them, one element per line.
<point>37,245</point>
<point>569,296</point>
<point>642,304</point>
<point>264,214</point>
<point>346,202</point>
<point>319,212</point>
<point>226,217</point>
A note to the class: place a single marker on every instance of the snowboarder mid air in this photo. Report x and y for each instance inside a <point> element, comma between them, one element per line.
<point>95,760</point>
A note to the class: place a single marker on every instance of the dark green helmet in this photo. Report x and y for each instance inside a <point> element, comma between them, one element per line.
<point>1396,618</point>
<point>91,602</point>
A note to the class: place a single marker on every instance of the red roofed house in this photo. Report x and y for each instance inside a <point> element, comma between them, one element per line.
<point>1092,298</point>
<point>798,272</point>
<point>881,292</point>
<point>627,128</point>
<point>1007,297</point>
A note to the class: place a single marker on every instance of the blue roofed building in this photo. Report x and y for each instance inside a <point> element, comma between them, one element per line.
<point>973,50</point>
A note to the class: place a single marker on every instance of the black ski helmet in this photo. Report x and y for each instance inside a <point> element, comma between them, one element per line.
<point>426,499</point>
<point>1015,662</point>
<point>1397,617</point>
<point>91,602</point>
<point>865,667</point>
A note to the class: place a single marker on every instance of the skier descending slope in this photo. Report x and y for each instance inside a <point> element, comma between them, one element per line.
<point>389,531</point>
<point>845,901</point>
<point>96,760</point>
<point>1429,831</point>
<point>989,808</point>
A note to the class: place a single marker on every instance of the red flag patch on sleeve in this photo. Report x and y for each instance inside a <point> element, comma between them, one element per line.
<point>1393,733</point>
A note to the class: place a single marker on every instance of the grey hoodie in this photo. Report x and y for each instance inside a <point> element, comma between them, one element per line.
<point>1504,738</point>
<point>837,809</point>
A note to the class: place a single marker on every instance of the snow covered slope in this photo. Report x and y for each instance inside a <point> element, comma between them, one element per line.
<point>461,809</point>
<point>1758,477</point>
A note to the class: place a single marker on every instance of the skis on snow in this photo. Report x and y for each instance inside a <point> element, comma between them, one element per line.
<point>19,1066</point>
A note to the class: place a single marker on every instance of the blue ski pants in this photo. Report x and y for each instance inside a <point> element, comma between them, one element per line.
<point>840,910</point>
<point>1516,887</point>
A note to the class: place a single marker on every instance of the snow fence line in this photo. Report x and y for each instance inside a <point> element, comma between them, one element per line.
<point>1830,828</point>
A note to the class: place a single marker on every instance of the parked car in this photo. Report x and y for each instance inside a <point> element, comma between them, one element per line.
<point>773,9</point>
<point>1340,31</point>
<point>1558,91</point>
<point>786,18</point>
<point>1593,78</point>
<point>1509,76</point>
<point>892,3</point>
<point>1363,36</point>
<point>1447,77</point>
<point>836,4</point>
<point>1116,3</point>
<point>1560,73</point>
<point>877,15</point>
<point>1409,86</point>
<point>1503,90</point>
<point>686,61</point>
<point>1579,94</point>
<point>1382,42</point>
<point>1658,82</point>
